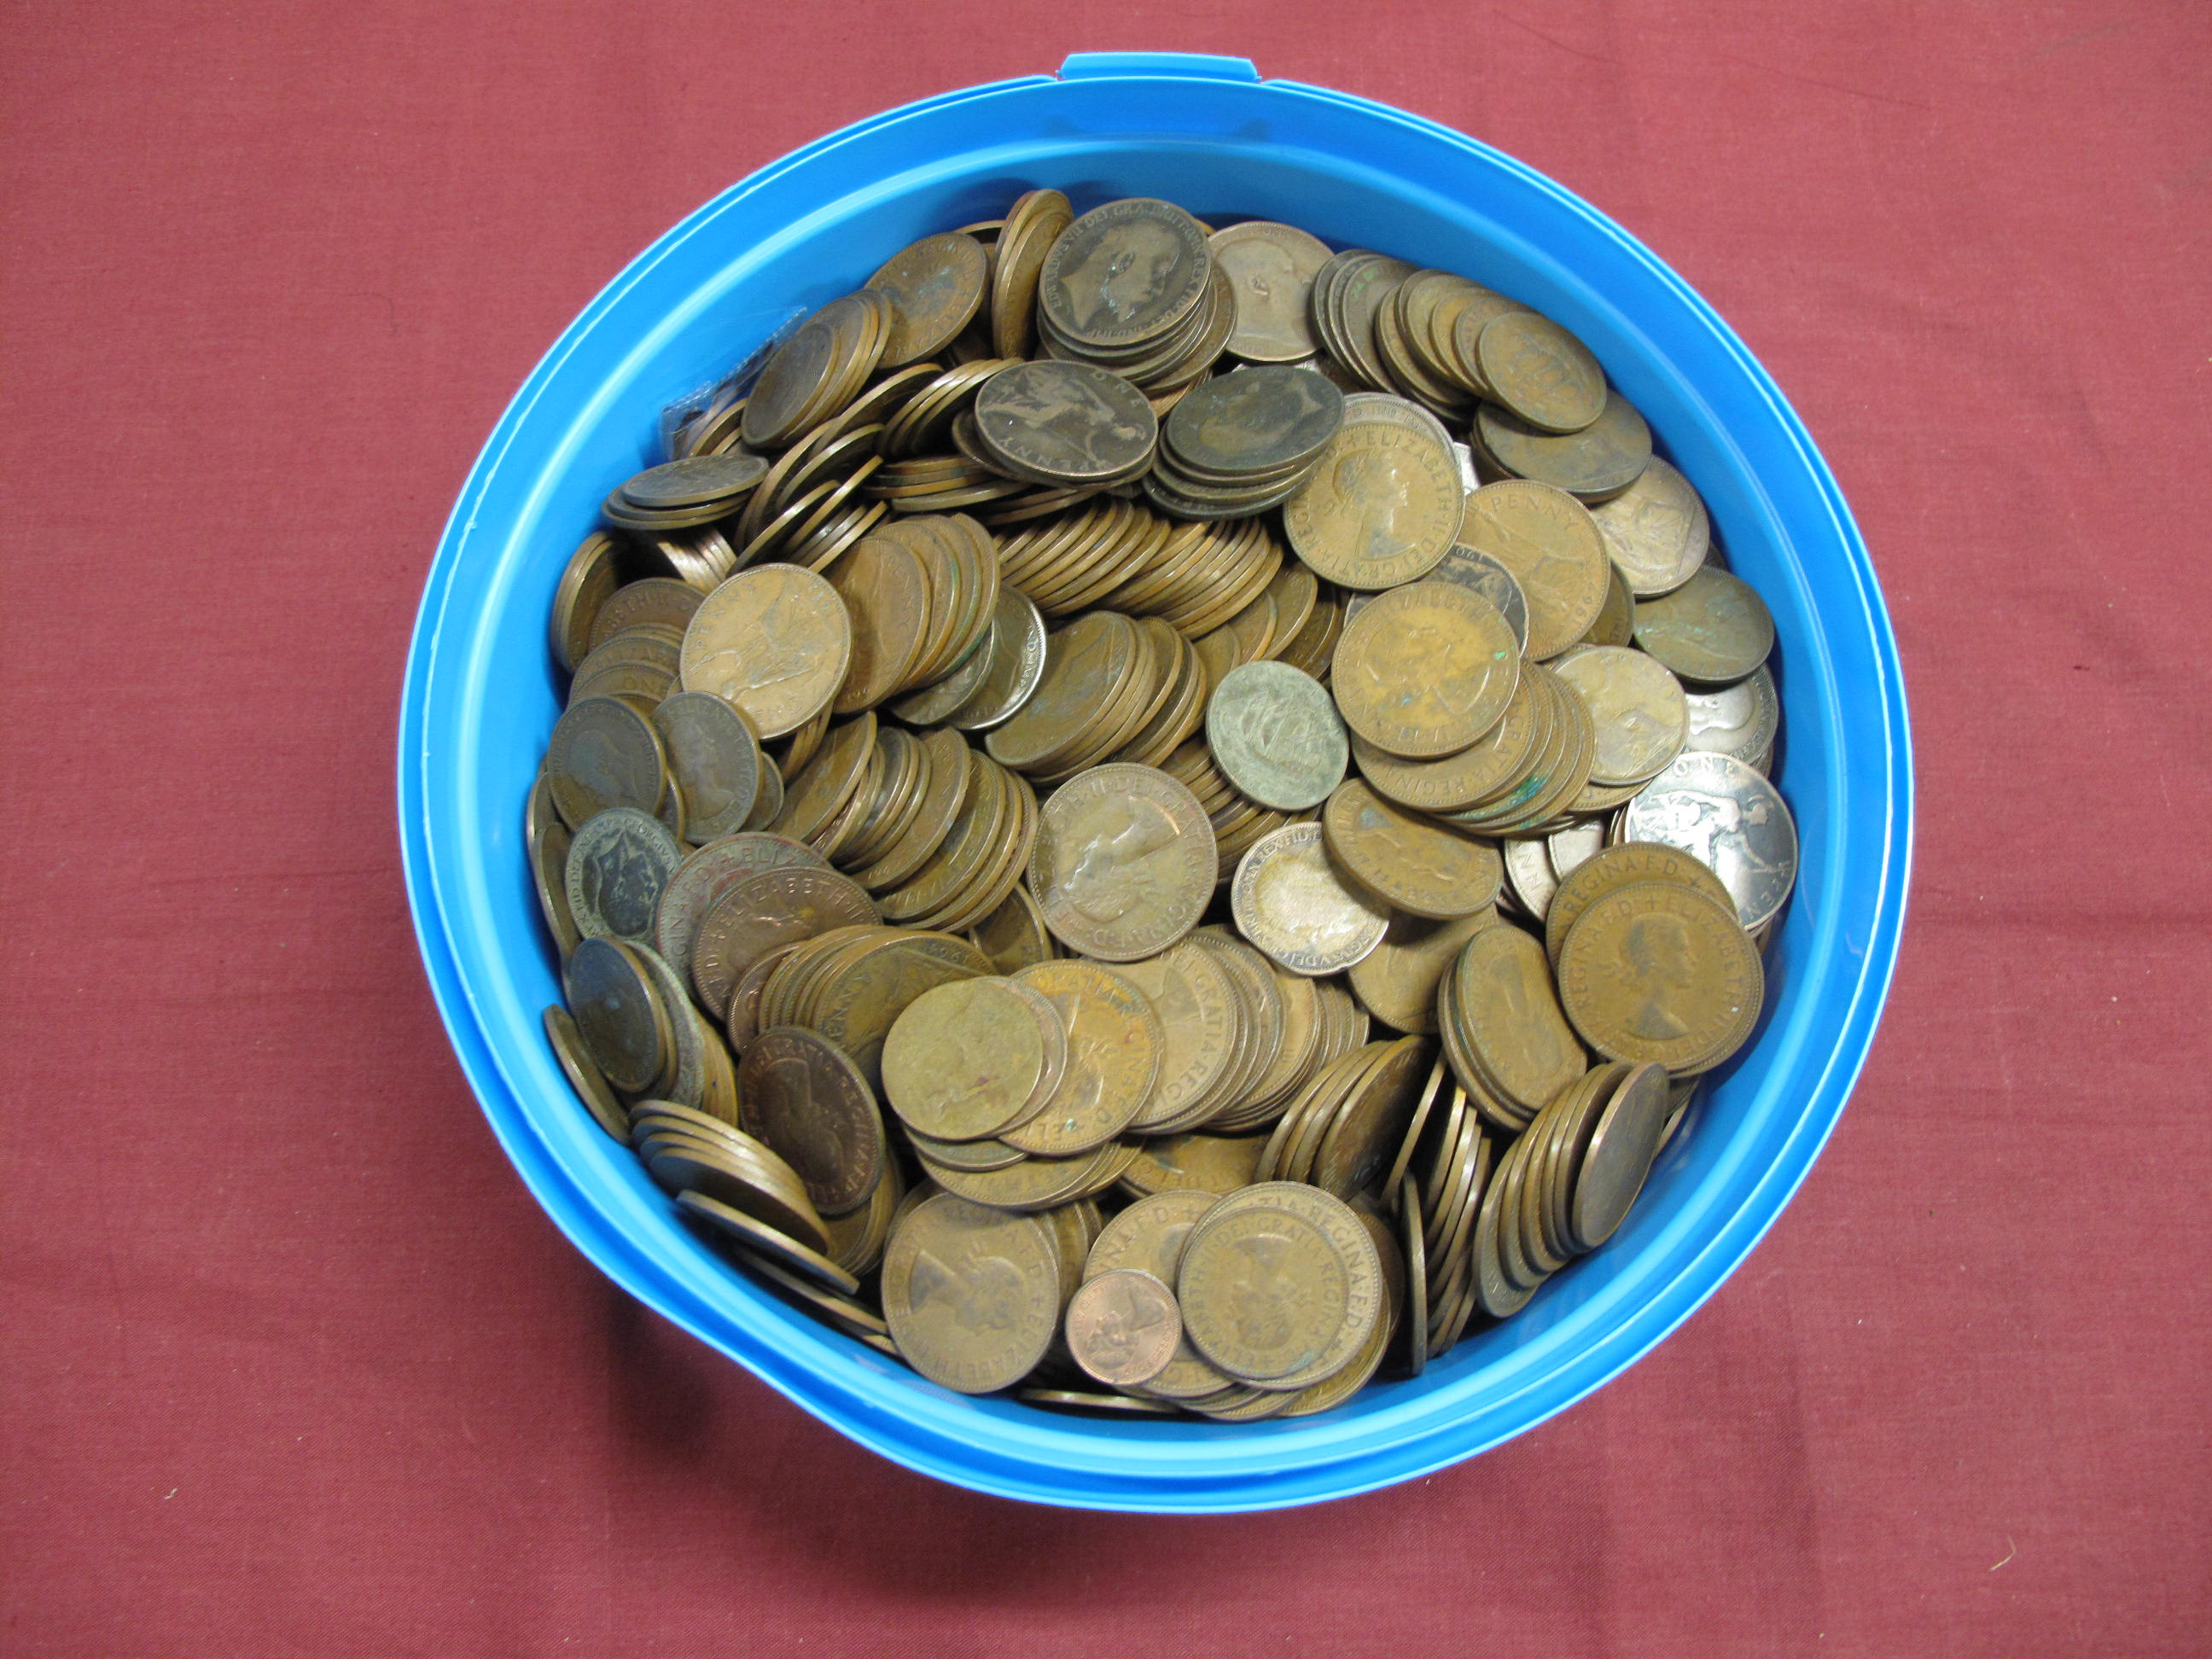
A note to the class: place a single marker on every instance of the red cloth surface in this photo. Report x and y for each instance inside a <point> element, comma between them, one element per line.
<point>295,1363</point>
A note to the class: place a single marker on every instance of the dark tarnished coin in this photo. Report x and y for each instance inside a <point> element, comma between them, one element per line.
<point>710,872</point>
<point>936,286</point>
<point>1541,372</point>
<point>618,863</point>
<point>1713,629</point>
<point>1255,421</point>
<point>1066,422</point>
<point>1593,464</point>
<point>713,758</point>
<point>1276,735</point>
<point>618,1012</point>
<point>1656,530</point>
<point>1731,820</point>
<point>1124,272</point>
<point>1271,269</point>
<point>1114,1044</point>
<point>1123,1328</point>
<point>971,1294</point>
<point>604,754</point>
<point>804,1100</point>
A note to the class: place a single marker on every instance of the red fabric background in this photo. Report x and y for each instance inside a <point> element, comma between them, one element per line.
<point>294,1365</point>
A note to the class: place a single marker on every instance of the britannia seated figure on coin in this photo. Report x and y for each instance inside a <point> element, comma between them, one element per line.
<point>1076,416</point>
<point>1122,274</point>
<point>1712,829</point>
<point>1106,881</point>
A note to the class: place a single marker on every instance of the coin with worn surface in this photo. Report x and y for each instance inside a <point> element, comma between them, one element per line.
<point>1739,721</point>
<point>1124,272</point>
<point>1714,629</point>
<point>1114,1044</point>
<point>1658,972</point>
<point>1060,422</point>
<point>1271,269</point>
<point>806,1102</point>
<point>1620,1155</point>
<point>583,1071</point>
<point>1552,546</point>
<point>1085,663</point>
<point>1409,859</point>
<point>1731,820</point>
<point>1541,372</point>
<point>1123,1328</point>
<point>1124,862</point>
<point>1426,670</point>
<point>1276,735</point>
<point>1017,645</point>
<point>1255,421</point>
<point>1190,990</point>
<point>696,478</point>
<point>709,871</point>
<point>1593,464</point>
<point>1504,999</point>
<point>971,1293</point>
<point>618,1012</point>
<point>963,1061</point>
<point>1290,901</point>
<point>936,286</point>
<point>589,579</point>
<point>1472,568</point>
<point>772,908</point>
<point>618,863</point>
<point>1397,981</point>
<point>602,754</point>
<point>1280,1283</point>
<point>713,758</point>
<point>1641,716</point>
<point>1383,506</point>
<point>1656,530</point>
<point>775,642</point>
<point>1194,1163</point>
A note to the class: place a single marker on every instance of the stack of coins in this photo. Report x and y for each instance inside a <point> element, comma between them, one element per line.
<point>1243,442</point>
<point>1131,288</point>
<point>1064,940</point>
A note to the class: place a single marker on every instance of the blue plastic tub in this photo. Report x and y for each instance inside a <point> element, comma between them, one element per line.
<point>481,698</point>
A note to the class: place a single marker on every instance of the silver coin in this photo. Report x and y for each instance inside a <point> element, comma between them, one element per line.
<point>1017,649</point>
<point>1723,814</point>
<point>1528,872</point>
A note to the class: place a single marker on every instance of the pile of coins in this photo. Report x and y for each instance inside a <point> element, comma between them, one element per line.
<point>1159,817</point>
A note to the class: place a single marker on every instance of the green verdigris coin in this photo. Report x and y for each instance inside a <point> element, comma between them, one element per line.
<point>1277,736</point>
